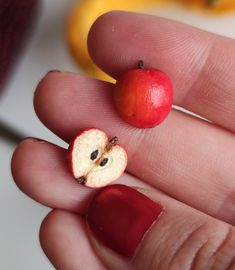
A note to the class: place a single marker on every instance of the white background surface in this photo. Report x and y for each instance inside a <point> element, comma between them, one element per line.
<point>20,216</point>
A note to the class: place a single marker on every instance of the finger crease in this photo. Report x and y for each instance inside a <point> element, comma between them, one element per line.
<point>184,242</point>
<point>224,242</point>
<point>205,55</point>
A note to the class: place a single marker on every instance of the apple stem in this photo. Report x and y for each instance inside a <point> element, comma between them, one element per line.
<point>81,180</point>
<point>140,64</point>
<point>211,2</point>
<point>111,143</point>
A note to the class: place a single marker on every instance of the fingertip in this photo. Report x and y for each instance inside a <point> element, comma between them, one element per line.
<point>50,92</point>
<point>36,166</point>
<point>63,236</point>
<point>101,41</point>
<point>44,90</point>
<point>46,227</point>
<point>98,27</point>
<point>62,101</point>
<point>49,234</point>
<point>17,160</point>
<point>49,85</point>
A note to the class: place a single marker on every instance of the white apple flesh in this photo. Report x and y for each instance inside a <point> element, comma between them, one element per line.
<point>94,160</point>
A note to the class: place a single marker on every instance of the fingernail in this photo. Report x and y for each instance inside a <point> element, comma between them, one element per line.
<point>34,139</point>
<point>119,216</point>
<point>53,71</point>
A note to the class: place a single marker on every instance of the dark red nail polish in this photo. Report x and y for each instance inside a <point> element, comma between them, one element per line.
<point>119,216</point>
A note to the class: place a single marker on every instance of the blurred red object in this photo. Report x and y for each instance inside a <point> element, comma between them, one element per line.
<point>17,18</point>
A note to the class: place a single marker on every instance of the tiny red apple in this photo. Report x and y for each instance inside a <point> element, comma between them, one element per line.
<point>94,160</point>
<point>143,97</point>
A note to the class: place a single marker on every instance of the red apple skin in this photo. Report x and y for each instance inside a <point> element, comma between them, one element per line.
<point>70,151</point>
<point>70,155</point>
<point>143,97</point>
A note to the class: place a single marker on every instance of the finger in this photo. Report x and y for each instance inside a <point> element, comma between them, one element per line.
<point>184,153</point>
<point>63,237</point>
<point>40,170</point>
<point>201,65</point>
<point>133,230</point>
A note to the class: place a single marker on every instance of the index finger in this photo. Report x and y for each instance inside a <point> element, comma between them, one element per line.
<point>201,64</point>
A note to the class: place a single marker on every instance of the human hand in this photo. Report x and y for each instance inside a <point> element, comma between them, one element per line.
<point>186,164</point>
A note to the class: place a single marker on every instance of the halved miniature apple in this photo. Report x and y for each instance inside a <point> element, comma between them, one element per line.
<point>94,160</point>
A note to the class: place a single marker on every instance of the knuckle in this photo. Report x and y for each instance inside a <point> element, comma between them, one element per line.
<point>206,248</point>
<point>188,252</point>
<point>175,245</point>
<point>223,255</point>
<point>201,247</point>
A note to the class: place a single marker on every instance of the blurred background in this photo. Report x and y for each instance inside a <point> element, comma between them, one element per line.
<point>41,35</point>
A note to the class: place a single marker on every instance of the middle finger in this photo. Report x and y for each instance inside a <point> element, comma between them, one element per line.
<point>189,159</point>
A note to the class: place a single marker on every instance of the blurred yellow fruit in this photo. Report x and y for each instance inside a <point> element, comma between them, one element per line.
<point>82,17</point>
<point>85,12</point>
<point>211,5</point>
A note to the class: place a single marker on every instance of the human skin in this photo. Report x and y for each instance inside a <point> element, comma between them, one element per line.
<point>186,164</point>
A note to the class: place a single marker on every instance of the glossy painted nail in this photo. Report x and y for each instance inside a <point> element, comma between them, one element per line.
<point>119,216</point>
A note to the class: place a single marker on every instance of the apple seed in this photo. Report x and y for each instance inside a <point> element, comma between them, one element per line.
<point>94,154</point>
<point>104,162</point>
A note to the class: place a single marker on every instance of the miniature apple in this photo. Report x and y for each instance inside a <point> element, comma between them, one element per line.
<point>94,160</point>
<point>143,97</point>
